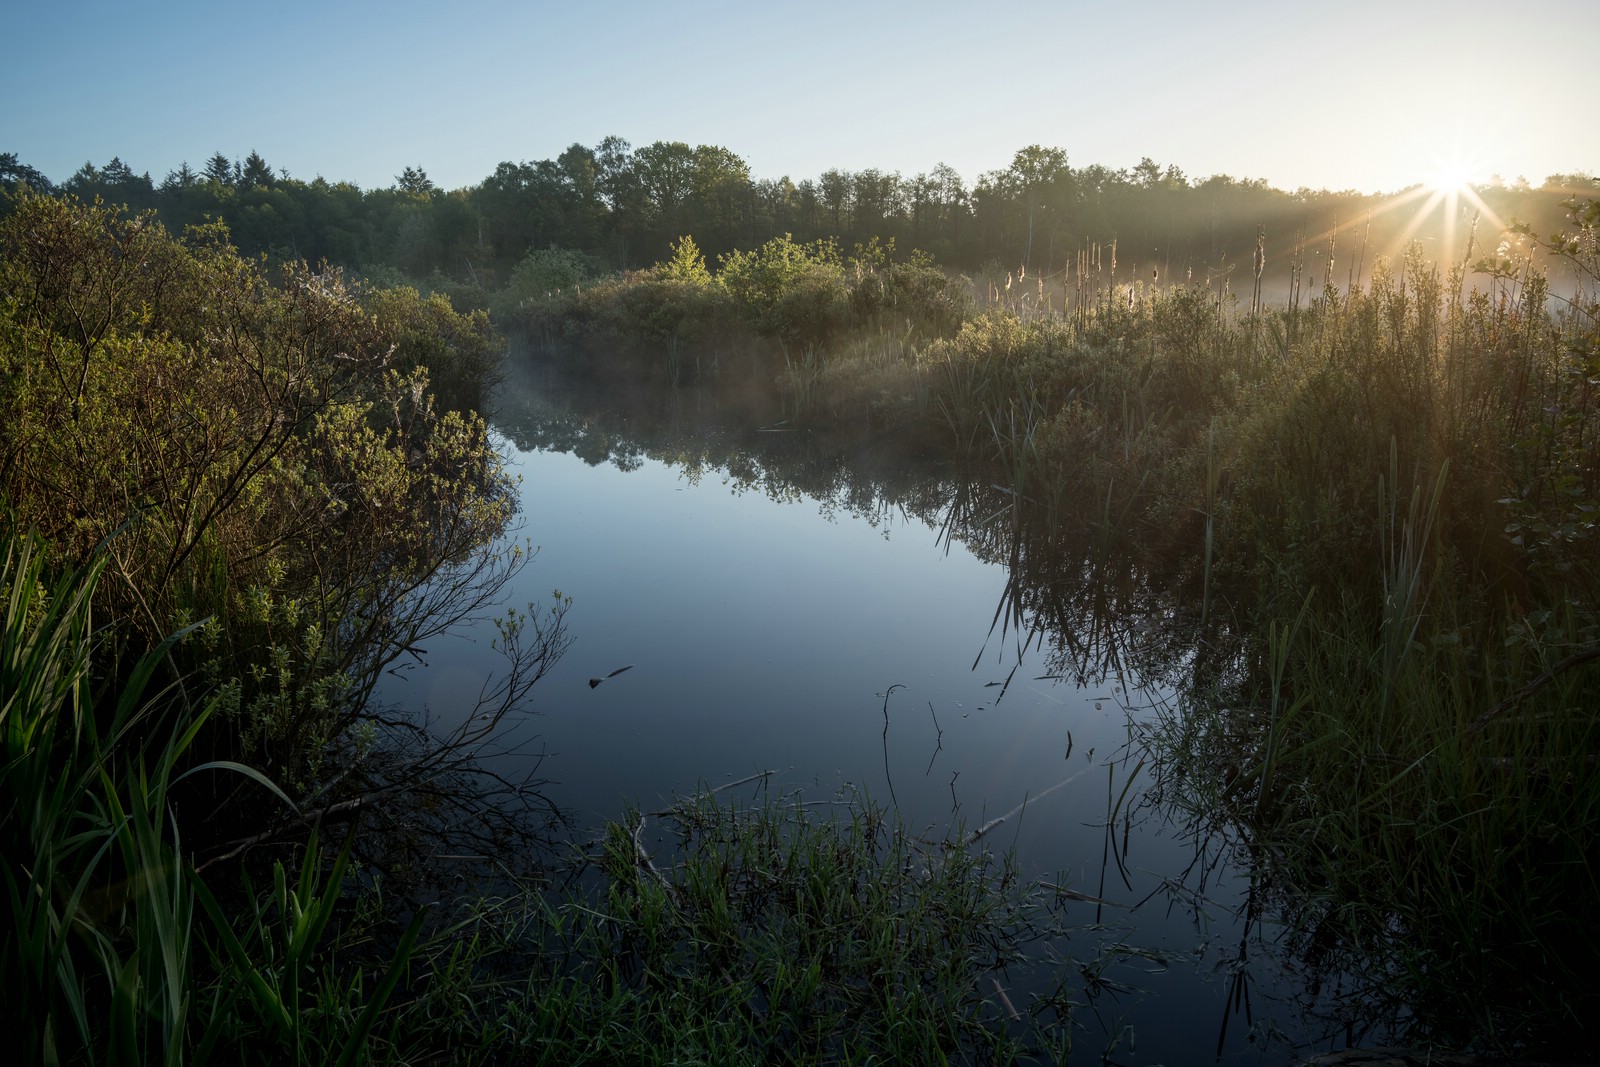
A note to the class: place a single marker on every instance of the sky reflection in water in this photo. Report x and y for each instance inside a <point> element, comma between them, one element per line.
<point>764,635</point>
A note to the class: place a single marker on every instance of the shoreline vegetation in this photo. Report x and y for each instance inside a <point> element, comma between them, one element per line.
<point>240,488</point>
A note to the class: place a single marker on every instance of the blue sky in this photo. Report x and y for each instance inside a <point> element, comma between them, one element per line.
<point>1365,95</point>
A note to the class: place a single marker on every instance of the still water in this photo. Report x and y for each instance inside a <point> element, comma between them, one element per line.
<point>779,609</point>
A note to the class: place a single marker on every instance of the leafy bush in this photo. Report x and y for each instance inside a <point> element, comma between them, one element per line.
<point>254,438</point>
<point>543,273</point>
<point>460,351</point>
<point>790,291</point>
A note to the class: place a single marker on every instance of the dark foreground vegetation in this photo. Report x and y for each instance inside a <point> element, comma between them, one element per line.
<point>240,489</point>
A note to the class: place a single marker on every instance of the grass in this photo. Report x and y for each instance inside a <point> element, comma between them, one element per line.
<point>90,856</point>
<point>278,991</point>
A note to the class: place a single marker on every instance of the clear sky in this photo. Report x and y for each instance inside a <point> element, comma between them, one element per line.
<point>1371,95</point>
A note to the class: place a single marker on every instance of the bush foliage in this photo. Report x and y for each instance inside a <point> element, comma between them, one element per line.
<point>267,454</point>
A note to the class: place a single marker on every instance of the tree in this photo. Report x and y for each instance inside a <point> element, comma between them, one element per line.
<point>1147,173</point>
<point>951,197</point>
<point>14,174</point>
<point>614,173</point>
<point>117,173</point>
<point>255,174</point>
<point>807,203</point>
<point>722,193</point>
<point>620,192</point>
<point>687,264</point>
<point>922,193</point>
<point>875,199</point>
<point>581,208</point>
<point>115,183</point>
<point>666,171</point>
<point>835,186</point>
<point>1035,172</point>
<point>414,182</point>
<point>775,203</point>
<point>84,180</point>
<point>180,179</point>
<point>220,169</point>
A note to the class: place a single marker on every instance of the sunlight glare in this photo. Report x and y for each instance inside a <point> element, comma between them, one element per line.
<point>1451,178</point>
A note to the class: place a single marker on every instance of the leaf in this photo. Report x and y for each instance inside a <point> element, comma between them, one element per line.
<point>249,772</point>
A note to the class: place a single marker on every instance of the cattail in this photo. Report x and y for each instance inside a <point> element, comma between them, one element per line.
<point>1297,266</point>
<point>1260,266</point>
<point>1333,237</point>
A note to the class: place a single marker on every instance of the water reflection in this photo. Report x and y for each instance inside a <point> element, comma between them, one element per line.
<point>994,669</point>
<point>978,672</point>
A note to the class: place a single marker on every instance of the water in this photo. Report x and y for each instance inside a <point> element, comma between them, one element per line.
<point>779,611</point>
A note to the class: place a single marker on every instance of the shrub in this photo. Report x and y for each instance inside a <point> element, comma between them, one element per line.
<point>793,292</point>
<point>275,468</point>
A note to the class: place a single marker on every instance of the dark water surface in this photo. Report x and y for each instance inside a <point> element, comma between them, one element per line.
<point>769,599</point>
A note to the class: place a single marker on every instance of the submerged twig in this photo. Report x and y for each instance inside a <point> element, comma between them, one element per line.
<point>1533,687</point>
<point>649,865</point>
<point>596,681</point>
<point>992,823</point>
<point>1005,1001</point>
<point>887,776</point>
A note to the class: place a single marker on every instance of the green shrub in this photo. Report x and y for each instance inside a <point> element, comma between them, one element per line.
<point>253,437</point>
<point>793,292</point>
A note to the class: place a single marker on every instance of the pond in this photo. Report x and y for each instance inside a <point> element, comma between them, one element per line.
<point>844,617</point>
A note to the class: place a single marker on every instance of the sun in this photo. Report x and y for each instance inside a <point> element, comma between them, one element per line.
<point>1451,178</point>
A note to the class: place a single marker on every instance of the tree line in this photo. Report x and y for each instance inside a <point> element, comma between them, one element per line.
<point>622,207</point>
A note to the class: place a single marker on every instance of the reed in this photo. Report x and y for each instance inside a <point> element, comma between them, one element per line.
<point>802,376</point>
<point>1373,497</point>
<point>104,960</point>
<point>93,879</point>
<point>279,991</point>
<point>1430,867</point>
